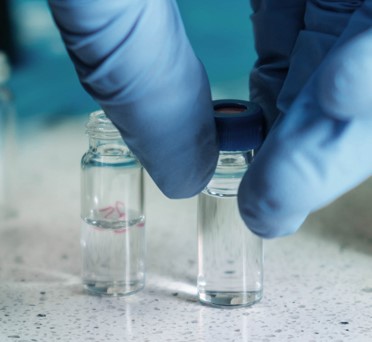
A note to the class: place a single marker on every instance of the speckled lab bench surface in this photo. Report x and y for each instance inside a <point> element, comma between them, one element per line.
<point>318,283</point>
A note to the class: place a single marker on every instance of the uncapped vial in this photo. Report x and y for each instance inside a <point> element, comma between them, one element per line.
<point>230,257</point>
<point>113,221</point>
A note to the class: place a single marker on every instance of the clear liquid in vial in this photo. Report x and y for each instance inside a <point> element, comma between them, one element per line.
<point>113,256</point>
<point>230,256</point>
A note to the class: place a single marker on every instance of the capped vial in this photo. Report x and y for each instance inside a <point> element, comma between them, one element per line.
<point>230,256</point>
<point>113,221</point>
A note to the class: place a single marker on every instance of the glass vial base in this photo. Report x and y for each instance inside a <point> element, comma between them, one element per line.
<point>229,256</point>
<point>229,299</point>
<point>116,289</point>
<point>113,258</point>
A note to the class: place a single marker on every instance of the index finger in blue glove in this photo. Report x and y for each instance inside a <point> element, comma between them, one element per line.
<point>135,59</point>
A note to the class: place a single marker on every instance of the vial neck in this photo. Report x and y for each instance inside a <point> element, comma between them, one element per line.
<point>96,141</point>
<point>231,167</point>
<point>108,146</point>
<point>234,159</point>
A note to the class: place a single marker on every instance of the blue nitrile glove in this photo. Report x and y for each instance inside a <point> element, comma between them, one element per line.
<point>134,58</point>
<point>315,66</point>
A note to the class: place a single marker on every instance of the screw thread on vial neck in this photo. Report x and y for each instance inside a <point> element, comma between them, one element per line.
<point>104,137</point>
<point>231,167</point>
<point>100,126</point>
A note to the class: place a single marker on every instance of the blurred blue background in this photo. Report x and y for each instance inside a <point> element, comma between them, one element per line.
<point>44,82</point>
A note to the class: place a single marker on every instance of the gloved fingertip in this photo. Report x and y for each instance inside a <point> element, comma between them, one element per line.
<point>183,186</point>
<point>266,225</point>
<point>188,174</point>
<point>265,218</point>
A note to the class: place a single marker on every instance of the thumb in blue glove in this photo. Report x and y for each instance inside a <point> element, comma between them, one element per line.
<point>319,147</point>
<point>134,58</point>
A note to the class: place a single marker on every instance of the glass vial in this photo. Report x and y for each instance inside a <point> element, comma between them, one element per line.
<point>7,143</point>
<point>113,221</point>
<point>230,257</point>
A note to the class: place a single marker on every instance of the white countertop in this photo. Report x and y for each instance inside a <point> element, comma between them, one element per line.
<point>318,283</point>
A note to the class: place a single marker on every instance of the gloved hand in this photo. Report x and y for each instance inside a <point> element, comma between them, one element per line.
<point>134,58</point>
<point>315,69</point>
